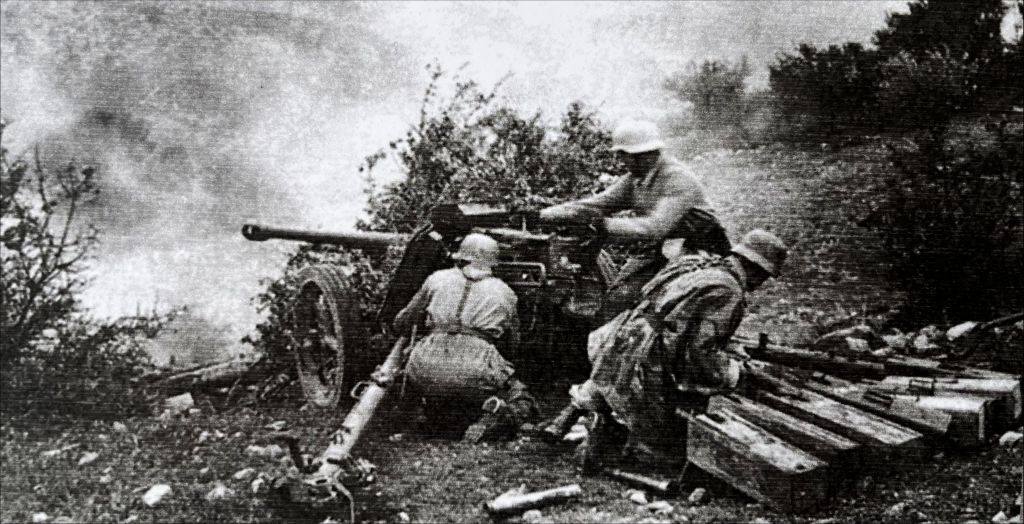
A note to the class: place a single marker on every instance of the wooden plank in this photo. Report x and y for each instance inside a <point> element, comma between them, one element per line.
<point>928,421</point>
<point>841,453</point>
<point>885,441</point>
<point>1005,392</point>
<point>970,424</point>
<point>756,462</point>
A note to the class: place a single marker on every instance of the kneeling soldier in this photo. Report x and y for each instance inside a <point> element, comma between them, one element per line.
<point>470,314</point>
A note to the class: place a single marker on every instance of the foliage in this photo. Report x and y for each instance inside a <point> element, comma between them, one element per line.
<point>55,359</point>
<point>826,90</point>
<point>952,223</point>
<point>941,59</point>
<point>716,90</point>
<point>41,254</point>
<point>465,148</point>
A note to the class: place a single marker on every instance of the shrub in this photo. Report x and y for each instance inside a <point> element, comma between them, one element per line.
<point>465,148</point>
<point>55,359</point>
<point>918,92</point>
<point>716,90</point>
<point>952,223</point>
<point>824,91</point>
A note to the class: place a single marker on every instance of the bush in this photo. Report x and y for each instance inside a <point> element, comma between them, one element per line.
<point>918,92</point>
<point>716,90</point>
<point>465,148</point>
<point>824,91</point>
<point>54,358</point>
<point>952,223</point>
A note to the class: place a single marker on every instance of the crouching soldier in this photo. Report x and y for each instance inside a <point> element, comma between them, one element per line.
<point>470,314</point>
<point>668,351</point>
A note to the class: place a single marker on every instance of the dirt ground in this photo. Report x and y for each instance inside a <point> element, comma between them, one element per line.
<point>835,270</point>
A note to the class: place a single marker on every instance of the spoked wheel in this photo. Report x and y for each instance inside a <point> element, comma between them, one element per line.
<point>323,314</point>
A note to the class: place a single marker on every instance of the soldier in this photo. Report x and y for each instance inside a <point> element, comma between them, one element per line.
<point>670,350</point>
<point>469,313</point>
<point>671,212</point>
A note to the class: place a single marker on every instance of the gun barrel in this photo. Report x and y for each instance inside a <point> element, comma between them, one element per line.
<point>356,239</point>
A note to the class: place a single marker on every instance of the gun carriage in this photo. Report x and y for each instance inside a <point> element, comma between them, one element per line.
<point>559,277</point>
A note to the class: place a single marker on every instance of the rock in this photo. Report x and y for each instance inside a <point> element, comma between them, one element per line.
<point>179,404</point>
<point>271,451</point>
<point>88,458</point>
<point>219,492</point>
<point>130,519</point>
<point>532,516</point>
<point>203,437</point>
<point>660,507</point>
<point>638,497</point>
<point>204,472</point>
<point>896,510</point>
<point>258,484</point>
<point>697,497</point>
<point>277,425</point>
<point>404,517</point>
<point>105,479</point>
<point>397,437</point>
<point>1000,517</point>
<point>760,520</point>
<point>243,474</point>
<point>119,427</point>
<point>55,452</point>
<point>155,494</point>
<point>40,517</point>
<point>1010,439</point>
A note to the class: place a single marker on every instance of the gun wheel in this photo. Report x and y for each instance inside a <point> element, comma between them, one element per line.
<point>322,314</point>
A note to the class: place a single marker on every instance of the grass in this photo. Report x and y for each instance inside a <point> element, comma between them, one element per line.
<point>812,200</point>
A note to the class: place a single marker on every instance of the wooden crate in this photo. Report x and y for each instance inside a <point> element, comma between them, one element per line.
<point>756,462</point>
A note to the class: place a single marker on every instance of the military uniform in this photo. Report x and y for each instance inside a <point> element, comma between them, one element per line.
<point>470,313</point>
<point>669,207</point>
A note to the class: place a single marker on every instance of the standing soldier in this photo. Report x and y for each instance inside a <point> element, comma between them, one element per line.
<point>470,313</point>
<point>671,213</point>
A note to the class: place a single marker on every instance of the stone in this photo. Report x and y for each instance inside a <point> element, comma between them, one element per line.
<point>119,427</point>
<point>1010,439</point>
<point>404,517</point>
<point>697,497</point>
<point>532,516</point>
<point>179,404</point>
<point>277,425</point>
<point>660,507</point>
<point>1000,517</point>
<point>88,458</point>
<point>155,494</point>
<point>243,474</point>
<point>637,497</point>
<point>219,492</point>
<point>40,517</point>
<point>896,510</point>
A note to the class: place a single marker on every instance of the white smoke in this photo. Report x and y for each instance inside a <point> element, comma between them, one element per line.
<point>201,116</point>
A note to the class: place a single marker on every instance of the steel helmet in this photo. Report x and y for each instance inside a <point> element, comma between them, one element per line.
<point>764,249</point>
<point>636,136</point>
<point>479,250</point>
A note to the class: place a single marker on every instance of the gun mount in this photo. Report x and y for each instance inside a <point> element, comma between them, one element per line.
<point>558,278</point>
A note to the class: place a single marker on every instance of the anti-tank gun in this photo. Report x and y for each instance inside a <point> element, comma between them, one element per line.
<point>559,276</point>
<point>556,275</point>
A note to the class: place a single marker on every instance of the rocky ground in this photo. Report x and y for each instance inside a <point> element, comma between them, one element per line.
<point>217,461</point>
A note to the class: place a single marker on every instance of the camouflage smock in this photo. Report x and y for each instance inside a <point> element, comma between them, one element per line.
<point>466,315</point>
<point>672,341</point>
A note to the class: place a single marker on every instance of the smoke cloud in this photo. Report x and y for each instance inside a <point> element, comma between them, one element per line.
<point>201,116</point>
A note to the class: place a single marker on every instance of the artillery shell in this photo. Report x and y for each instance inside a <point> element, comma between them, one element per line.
<point>520,503</point>
<point>662,487</point>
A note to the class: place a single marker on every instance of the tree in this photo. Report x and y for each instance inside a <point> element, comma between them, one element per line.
<point>41,253</point>
<point>716,90</point>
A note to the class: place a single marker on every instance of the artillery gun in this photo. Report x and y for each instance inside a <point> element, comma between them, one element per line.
<point>559,277</point>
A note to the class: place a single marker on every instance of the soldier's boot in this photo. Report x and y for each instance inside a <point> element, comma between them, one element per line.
<point>605,438</point>
<point>556,428</point>
<point>497,422</point>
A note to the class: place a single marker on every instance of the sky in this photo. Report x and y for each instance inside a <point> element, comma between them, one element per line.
<point>202,116</point>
